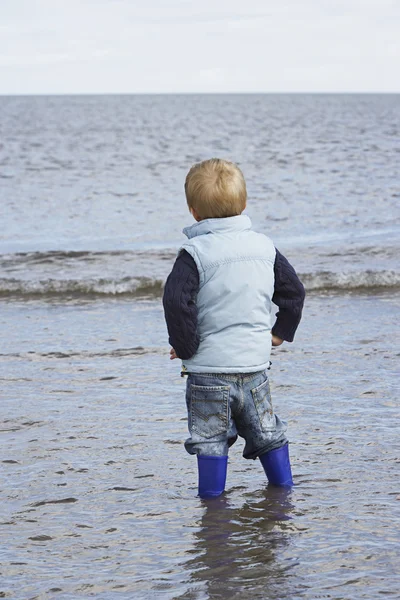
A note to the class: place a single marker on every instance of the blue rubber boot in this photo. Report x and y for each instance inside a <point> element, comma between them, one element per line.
<point>276,465</point>
<point>212,475</point>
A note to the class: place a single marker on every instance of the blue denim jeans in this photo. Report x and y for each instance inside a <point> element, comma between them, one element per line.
<point>222,406</point>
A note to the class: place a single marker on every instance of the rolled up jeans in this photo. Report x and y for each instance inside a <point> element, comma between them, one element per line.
<point>222,406</point>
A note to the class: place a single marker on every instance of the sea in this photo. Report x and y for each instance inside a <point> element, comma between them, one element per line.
<point>98,498</point>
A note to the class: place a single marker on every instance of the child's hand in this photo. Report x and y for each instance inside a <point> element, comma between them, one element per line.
<point>277,341</point>
<point>172,354</point>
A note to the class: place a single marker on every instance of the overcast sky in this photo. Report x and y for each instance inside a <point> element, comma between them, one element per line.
<point>132,46</point>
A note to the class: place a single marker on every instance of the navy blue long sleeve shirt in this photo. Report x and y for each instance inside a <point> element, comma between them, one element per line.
<point>180,309</point>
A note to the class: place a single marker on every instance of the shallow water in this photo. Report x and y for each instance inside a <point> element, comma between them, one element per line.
<point>99,495</point>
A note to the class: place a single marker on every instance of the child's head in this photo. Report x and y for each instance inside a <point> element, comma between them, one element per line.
<point>215,188</point>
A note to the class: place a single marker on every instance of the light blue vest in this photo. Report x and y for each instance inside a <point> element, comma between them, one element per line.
<point>236,270</point>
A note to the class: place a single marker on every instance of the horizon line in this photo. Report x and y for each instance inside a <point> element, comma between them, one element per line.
<point>227,93</point>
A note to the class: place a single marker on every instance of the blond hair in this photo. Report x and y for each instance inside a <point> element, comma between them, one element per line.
<point>216,188</point>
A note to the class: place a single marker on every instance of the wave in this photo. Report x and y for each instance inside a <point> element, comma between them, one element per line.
<point>128,286</point>
<point>58,257</point>
<point>55,256</point>
<point>356,281</point>
<point>147,287</point>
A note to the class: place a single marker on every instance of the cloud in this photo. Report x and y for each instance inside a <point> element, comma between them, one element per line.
<point>85,46</point>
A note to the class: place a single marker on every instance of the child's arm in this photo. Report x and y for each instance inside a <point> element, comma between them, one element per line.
<point>180,308</point>
<point>289,296</point>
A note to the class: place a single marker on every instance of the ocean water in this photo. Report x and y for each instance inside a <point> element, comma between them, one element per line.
<point>98,497</point>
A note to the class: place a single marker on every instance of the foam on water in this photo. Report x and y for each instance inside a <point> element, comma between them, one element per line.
<point>135,287</point>
<point>139,287</point>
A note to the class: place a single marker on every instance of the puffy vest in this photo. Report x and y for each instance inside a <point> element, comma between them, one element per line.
<point>234,301</point>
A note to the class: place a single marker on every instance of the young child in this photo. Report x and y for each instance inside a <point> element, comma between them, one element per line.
<point>218,309</point>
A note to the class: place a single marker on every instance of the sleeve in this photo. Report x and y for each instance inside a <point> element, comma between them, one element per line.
<point>289,296</point>
<point>180,308</point>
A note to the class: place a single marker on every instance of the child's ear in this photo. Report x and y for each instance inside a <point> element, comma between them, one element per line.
<point>195,215</point>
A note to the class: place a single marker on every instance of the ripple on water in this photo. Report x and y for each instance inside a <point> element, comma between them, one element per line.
<point>97,481</point>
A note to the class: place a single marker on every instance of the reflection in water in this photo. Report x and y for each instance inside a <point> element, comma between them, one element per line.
<point>241,548</point>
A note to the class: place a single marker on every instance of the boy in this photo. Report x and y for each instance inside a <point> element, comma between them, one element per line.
<point>218,309</point>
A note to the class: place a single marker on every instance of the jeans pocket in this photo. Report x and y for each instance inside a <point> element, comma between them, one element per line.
<point>263,403</point>
<point>209,407</point>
